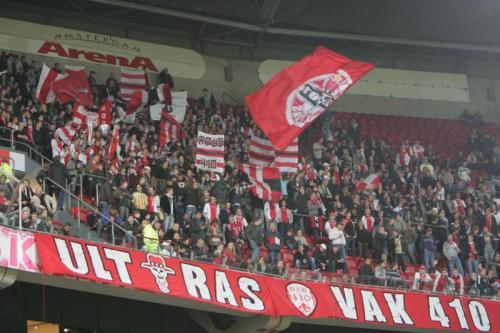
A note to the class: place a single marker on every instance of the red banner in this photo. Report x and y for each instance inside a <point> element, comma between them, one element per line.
<point>18,250</point>
<point>294,97</point>
<point>261,294</point>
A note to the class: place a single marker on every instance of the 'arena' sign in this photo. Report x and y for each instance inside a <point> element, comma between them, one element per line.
<point>98,48</point>
<point>54,48</point>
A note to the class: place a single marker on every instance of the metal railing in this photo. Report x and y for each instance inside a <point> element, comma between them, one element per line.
<point>81,203</point>
<point>7,140</point>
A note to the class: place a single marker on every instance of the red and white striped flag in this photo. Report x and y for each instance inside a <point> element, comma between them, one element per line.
<point>372,182</point>
<point>261,152</point>
<point>170,129</point>
<point>44,91</point>
<point>138,99</point>
<point>265,181</point>
<point>288,159</point>
<point>66,134</point>
<point>210,152</point>
<point>79,116</point>
<point>131,80</point>
<point>164,94</point>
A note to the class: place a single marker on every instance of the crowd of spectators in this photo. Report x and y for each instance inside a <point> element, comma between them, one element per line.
<point>430,214</point>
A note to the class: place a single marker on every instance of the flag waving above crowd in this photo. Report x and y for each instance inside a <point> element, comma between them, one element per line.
<point>170,129</point>
<point>372,182</point>
<point>44,91</point>
<point>179,104</point>
<point>294,97</point>
<point>265,181</point>
<point>73,87</point>
<point>131,80</point>
<point>210,152</point>
<point>79,116</point>
<point>261,152</point>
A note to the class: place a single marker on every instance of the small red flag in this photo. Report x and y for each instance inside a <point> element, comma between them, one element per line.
<point>294,97</point>
<point>105,113</point>
<point>113,144</point>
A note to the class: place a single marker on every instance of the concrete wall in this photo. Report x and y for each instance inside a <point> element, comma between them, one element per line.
<point>245,80</point>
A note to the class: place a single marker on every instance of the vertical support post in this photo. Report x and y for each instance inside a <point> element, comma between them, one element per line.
<point>97,194</point>
<point>79,210</point>
<point>112,233</point>
<point>19,189</point>
<point>68,190</point>
<point>80,201</point>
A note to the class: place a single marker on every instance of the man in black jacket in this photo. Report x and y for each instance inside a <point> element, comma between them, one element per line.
<point>321,257</point>
<point>366,273</point>
<point>301,210</point>
<point>254,234</point>
<point>58,174</point>
<point>198,228</point>
<point>224,214</point>
<point>193,199</point>
<point>168,207</point>
<point>273,242</point>
<point>106,194</point>
<point>165,77</point>
<point>303,260</point>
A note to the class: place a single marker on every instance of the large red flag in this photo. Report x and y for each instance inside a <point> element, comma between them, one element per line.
<point>74,87</point>
<point>296,96</point>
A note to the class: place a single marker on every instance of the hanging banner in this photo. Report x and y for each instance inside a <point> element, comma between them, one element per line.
<point>17,250</point>
<point>210,152</point>
<point>261,294</point>
<point>16,161</point>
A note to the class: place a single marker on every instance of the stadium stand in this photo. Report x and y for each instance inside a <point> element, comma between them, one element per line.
<point>432,224</point>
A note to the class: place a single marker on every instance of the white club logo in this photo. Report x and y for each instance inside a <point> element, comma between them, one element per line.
<point>302,298</point>
<point>156,264</point>
<point>311,98</point>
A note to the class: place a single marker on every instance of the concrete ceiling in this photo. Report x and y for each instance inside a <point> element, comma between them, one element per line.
<point>458,31</point>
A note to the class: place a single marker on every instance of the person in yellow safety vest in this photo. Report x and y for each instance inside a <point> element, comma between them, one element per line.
<point>7,171</point>
<point>150,235</point>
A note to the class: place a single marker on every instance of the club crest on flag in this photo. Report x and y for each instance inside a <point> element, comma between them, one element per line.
<point>310,99</point>
<point>302,298</point>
